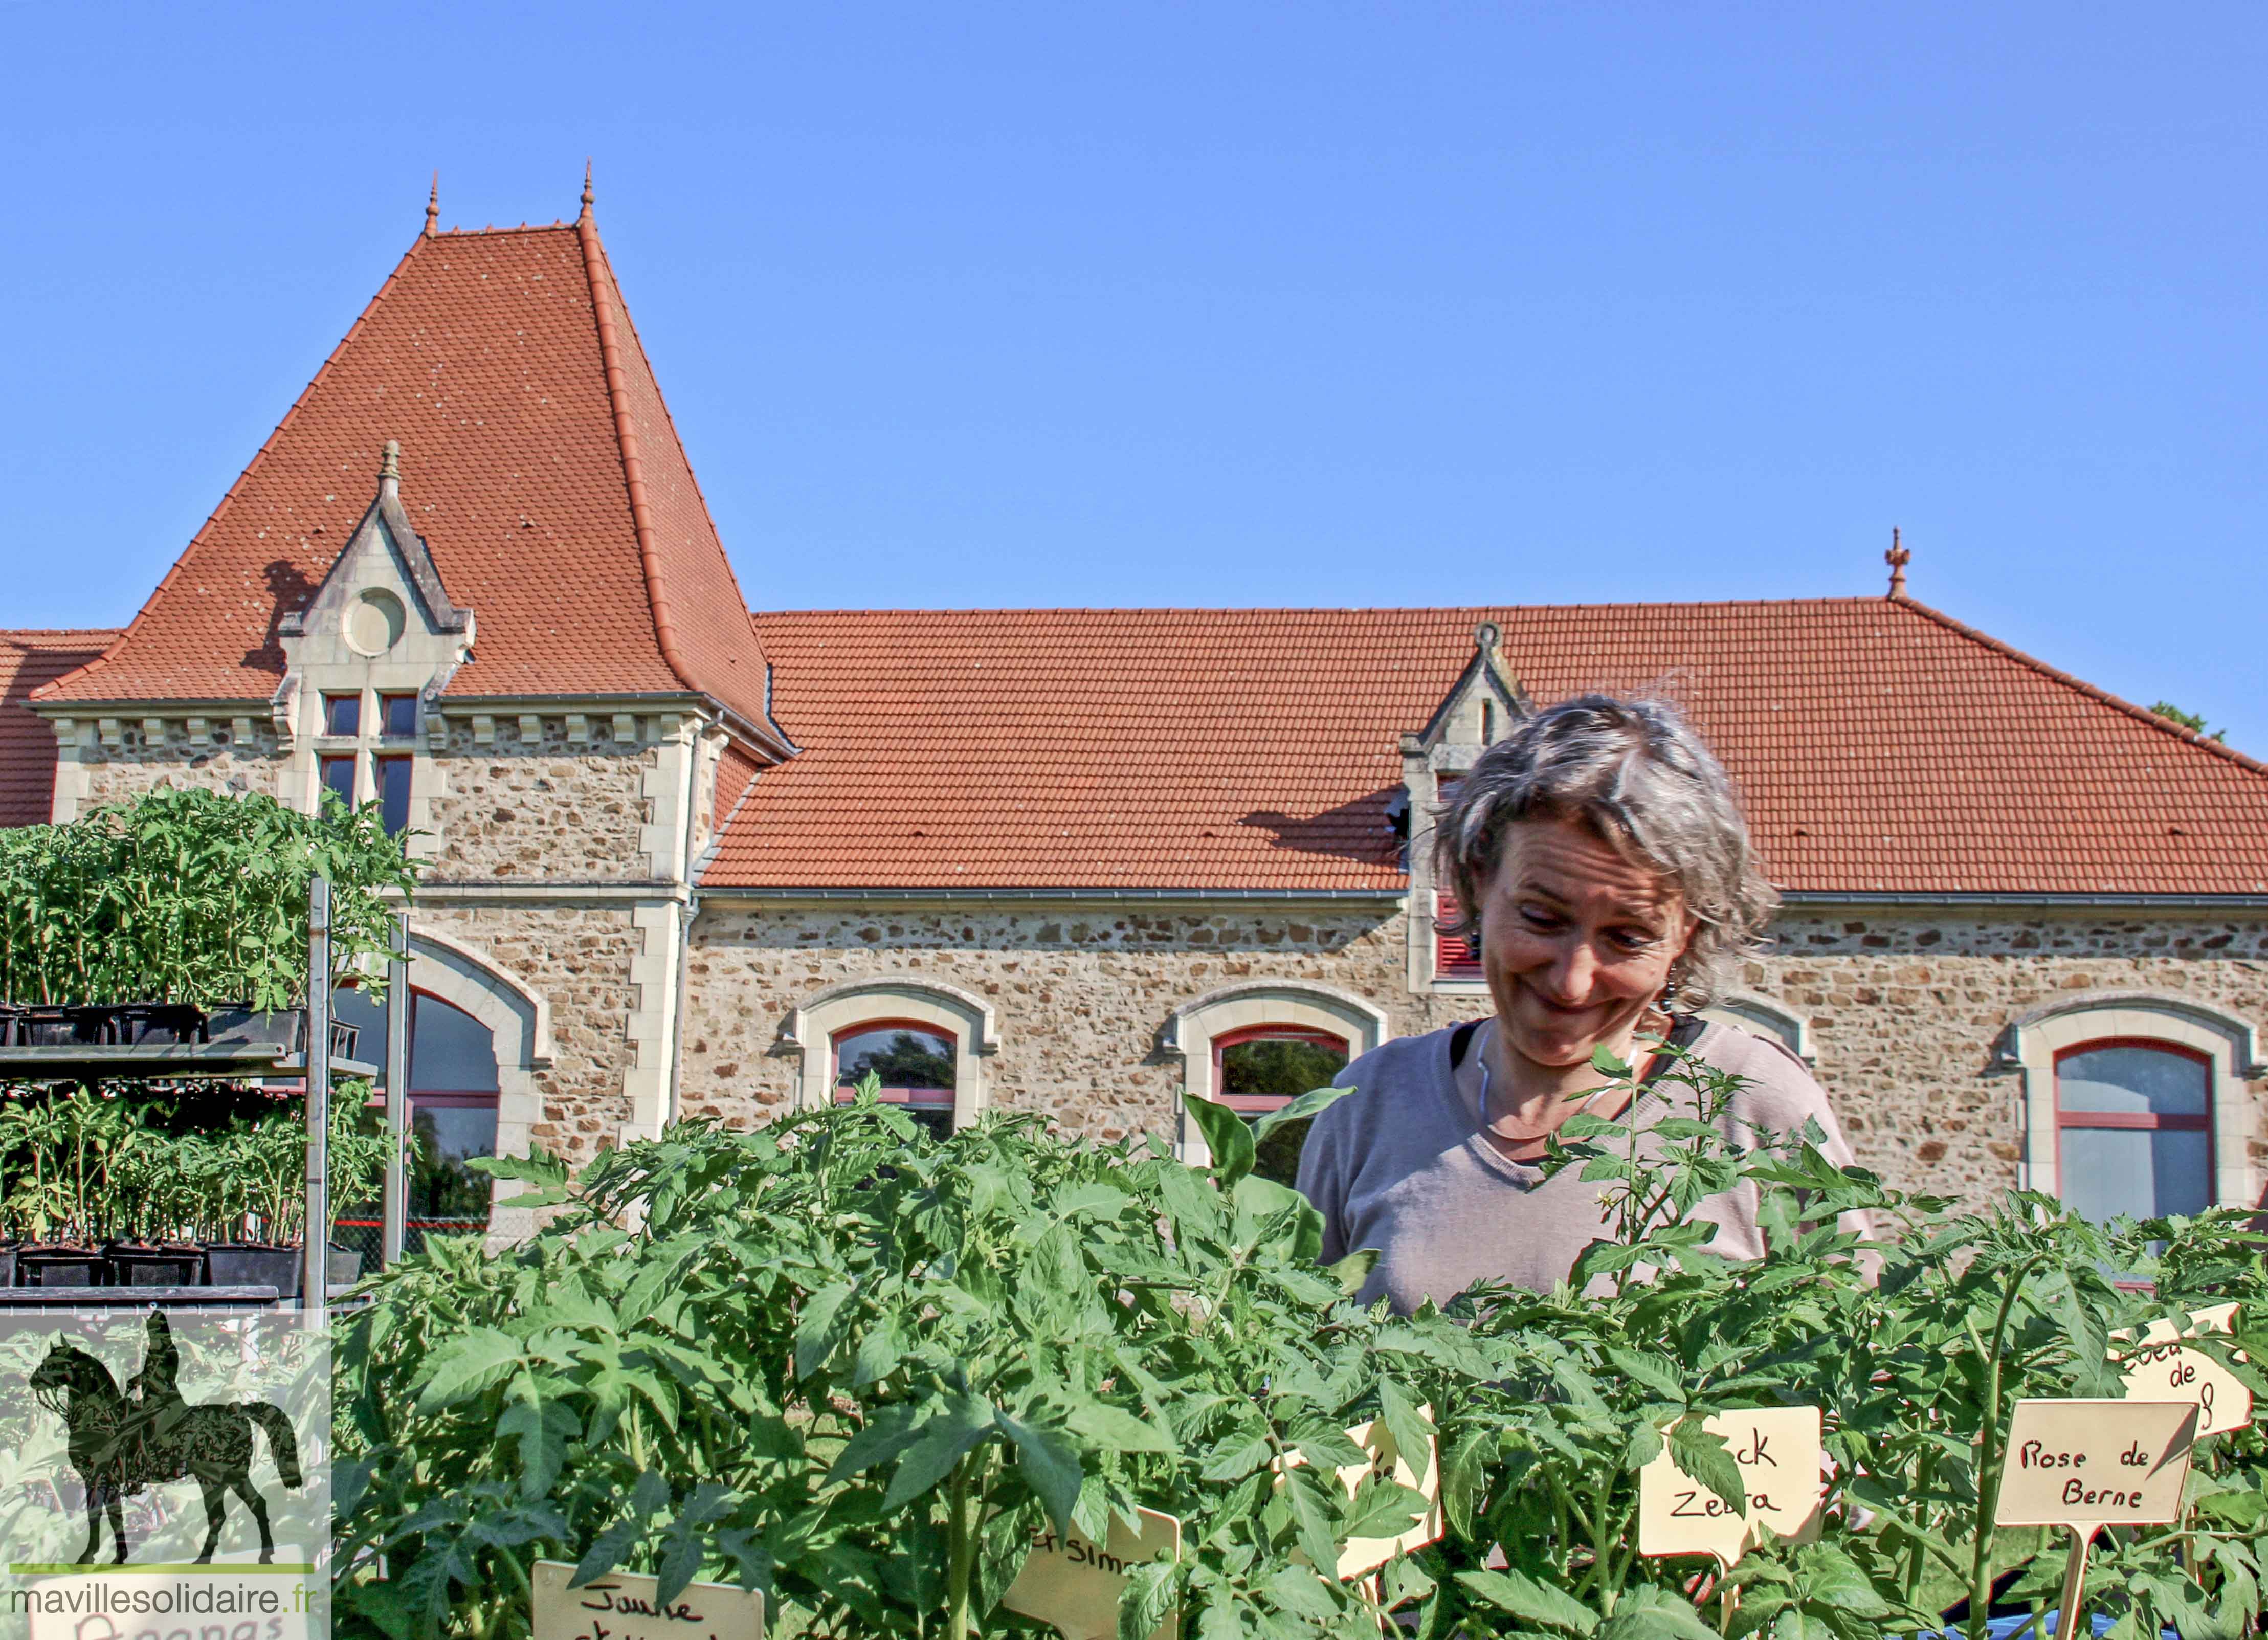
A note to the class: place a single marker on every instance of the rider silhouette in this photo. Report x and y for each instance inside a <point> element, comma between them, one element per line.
<point>153,1397</point>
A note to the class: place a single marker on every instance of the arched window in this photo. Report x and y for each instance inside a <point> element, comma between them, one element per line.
<point>1264,1068</point>
<point>2135,1101</point>
<point>2134,1128</point>
<point>916,1061</point>
<point>1256,1044</point>
<point>452,1112</point>
<point>1761,1016</point>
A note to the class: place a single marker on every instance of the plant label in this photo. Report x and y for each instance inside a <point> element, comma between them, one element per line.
<point>2084,1464</point>
<point>1360,1555</point>
<point>2163,1369</point>
<point>1777,1450</point>
<point>623,1606</point>
<point>1075,1585</point>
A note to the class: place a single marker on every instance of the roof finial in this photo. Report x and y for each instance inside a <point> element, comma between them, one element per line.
<point>586,187</point>
<point>389,469</point>
<point>1897,558</point>
<point>433,208</point>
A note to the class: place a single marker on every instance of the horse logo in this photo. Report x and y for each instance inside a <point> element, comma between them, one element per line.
<point>124,1442</point>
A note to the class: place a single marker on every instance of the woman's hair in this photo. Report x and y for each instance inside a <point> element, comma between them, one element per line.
<point>1634,773</point>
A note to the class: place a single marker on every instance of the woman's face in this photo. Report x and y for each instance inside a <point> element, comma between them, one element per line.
<point>1575,940</point>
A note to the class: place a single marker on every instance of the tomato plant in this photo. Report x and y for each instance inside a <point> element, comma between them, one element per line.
<point>861,1369</point>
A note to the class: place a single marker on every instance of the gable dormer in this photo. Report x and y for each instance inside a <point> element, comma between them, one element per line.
<point>382,582</point>
<point>365,661</point>
<point>1479,710</point>
<point>1480,707</point>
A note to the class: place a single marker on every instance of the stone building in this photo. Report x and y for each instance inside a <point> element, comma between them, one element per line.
<point>682,860</point>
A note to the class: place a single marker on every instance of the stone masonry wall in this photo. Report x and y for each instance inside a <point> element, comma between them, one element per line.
<point>578,958</point>
<point>1080,995</point>
<point>540,811</point>
<point>118,773</point>
<point>1905,1009</point>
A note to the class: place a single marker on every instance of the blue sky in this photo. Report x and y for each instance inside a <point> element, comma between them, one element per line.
<point>972,304</point>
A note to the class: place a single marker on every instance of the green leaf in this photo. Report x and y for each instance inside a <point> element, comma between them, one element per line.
<point>1307,1106</point>
<point>1300,1590</point>
<point>1412,1431</point>
<point>957,1424</point>
<point>1832,1579</point>
<point>1648,1612</point>
<point>1147,1600</point>
<point>542,1428</point>
<point>816,1335</point>
<point>1705,1458</point>
<point>888,1431</point>
<point>1383,1509</point>
<point>1532,1602</point>
<point>607,1550</point>
<point>1236,1456</point>
<point>466,1365</point>
<point>1353,1270</point>
<point>1312,1517</point>
<point>1119,1429</point>
<point>1049,1460</point>
<point>1226,1135</point>
<point>1651,1372</point>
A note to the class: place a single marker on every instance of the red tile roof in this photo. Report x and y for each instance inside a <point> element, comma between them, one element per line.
<point>539,462</point>
<point>1882,746</point>
<point>27,746</point>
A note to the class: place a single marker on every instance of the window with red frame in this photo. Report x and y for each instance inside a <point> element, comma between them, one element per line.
<point>1455,957</point>
<point>391,775</point>
<point>338,775</point>
<point>453,1115</point>
<point>1264,1068</point>
<point>2134,1129</point>
<point>914,1061</point>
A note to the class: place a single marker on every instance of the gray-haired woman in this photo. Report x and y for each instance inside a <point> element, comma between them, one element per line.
<point>1600,851</point>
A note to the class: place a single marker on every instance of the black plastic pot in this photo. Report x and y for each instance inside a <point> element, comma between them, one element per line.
<point>139,1264</point>
<point>151,1024</point>
<point>48,1264</point>
<point>8,1264</point>
<point>59,1025</point>
<point>253,1264</point>
<point>344,1269</point>
<point>240,1023</point>
<point>285,1027</point>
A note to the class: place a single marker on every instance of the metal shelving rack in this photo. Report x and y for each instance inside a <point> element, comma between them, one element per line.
<point>258,1062</point>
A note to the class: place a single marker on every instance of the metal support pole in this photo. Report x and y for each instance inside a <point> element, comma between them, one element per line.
<point>315,1268</point>
<point>393,1213</point>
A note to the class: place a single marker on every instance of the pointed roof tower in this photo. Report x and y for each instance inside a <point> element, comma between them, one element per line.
<point>552,493</point>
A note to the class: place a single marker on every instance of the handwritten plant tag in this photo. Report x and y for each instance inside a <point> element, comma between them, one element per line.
<point>1075,1584</point>
<point>2163,1369</point>
<point>1777,1450</point>
<point>2084,1464</point>
<point>623,1606</point>
<point>1366,1554</point>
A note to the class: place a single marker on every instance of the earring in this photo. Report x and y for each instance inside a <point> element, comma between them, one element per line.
<point>1669,993</point>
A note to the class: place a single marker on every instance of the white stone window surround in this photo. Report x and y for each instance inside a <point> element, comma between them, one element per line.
<point>1765,1016</point>
<point>368,743</point>
<point>1302,1004</point>
<point>968,1019</point>
<point>518,1020</point>
<point>2032,1041</point>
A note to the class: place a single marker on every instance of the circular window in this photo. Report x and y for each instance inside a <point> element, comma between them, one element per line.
<point>374,622</point>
